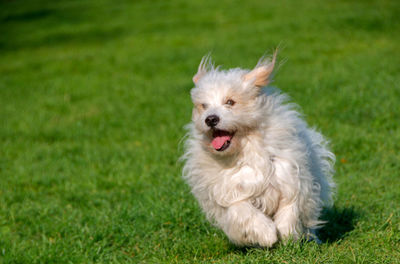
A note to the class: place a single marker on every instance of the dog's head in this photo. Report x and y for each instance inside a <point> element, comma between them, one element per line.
<point>227,104</point>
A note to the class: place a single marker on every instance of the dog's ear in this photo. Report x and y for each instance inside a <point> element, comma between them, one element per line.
<point>205,65</point>
<point>260,76</point>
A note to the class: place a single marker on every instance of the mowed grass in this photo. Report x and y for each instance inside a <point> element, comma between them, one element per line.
<point>94,96</point>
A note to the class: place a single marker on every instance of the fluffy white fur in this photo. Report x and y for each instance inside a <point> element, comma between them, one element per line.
<point>276,175</point>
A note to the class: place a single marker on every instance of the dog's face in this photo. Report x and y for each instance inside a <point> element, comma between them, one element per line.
<point>227,104</point>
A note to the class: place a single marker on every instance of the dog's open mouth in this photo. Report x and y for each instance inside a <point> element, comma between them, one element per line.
<point>221,139</point>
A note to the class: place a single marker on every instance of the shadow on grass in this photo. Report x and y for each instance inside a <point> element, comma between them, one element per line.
<point>243,250</point>
<point>31,26</point>
<point>27,16</point>
<point>339,221</point>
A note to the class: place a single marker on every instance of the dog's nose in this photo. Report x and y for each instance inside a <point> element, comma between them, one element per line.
<point>212,120</point>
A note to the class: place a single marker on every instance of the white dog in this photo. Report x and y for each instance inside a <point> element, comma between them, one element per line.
<point>256,168</point>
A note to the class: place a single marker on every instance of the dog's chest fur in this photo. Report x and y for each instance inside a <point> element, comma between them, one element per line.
<point>248,177</point>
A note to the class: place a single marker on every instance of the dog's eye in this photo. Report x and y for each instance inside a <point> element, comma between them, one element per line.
<point>230,102</point>
<point>204,106</point>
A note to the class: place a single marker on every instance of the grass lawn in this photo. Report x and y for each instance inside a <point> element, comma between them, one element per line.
<point>94,96</point>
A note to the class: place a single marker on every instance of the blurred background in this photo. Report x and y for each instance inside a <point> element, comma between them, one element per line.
<point>94,96</point>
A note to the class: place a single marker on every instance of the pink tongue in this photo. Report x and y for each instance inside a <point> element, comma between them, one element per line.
<point>219,141</point>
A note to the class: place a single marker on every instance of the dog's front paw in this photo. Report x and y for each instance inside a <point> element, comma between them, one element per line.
<point>257,231</point>
<point>264,232</point>
<point>245,225</point>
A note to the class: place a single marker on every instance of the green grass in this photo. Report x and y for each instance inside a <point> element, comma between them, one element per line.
<point>94,96</point>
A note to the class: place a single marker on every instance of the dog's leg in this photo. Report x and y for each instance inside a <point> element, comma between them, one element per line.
<point>245,225</point>
<point>287,218</point>
<point>311,235</point>
<point>287,222</point>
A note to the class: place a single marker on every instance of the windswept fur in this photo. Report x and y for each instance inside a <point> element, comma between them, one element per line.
<point>272,175</point>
